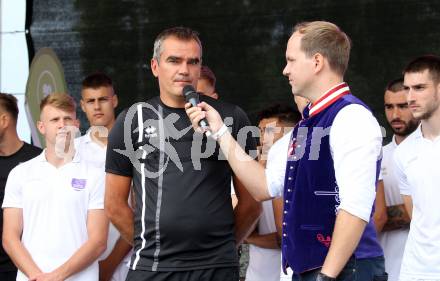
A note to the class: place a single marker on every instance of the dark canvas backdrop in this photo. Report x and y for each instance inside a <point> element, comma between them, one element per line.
<point>244,42</point>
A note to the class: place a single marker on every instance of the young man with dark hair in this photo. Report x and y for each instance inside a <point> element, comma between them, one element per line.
<point>55,227</point>
<point>13,151</point>
<point>98,102</point>
<point>328,183</point>
<point>182,226</point>
<point>274,122</point>
<point>418,173</point>
<point>391,219</point>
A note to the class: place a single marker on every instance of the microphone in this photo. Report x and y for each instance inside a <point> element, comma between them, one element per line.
<point>192,97</point>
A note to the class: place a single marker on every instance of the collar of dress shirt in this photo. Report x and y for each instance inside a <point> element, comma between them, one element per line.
<point>328,98</point>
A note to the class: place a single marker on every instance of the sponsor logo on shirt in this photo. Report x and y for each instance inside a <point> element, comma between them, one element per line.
<point>78,184</point>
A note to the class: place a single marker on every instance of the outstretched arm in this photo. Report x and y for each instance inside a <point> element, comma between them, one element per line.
<point>249,171</point>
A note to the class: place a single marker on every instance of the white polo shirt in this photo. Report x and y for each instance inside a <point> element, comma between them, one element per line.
<point>264,264</point>
<point>95,154</point>
<point>90,151</point>
<point>418,173</point>
<point>55,204</point>
<point>392,242</point>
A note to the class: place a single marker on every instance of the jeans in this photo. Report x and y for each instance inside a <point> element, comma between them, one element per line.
<point>370,269</point>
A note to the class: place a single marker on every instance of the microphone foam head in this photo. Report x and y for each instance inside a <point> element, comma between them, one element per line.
<point>189,92</point>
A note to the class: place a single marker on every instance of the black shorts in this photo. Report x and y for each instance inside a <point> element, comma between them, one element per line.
<point>211,274</point>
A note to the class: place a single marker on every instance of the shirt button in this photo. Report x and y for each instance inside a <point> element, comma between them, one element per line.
<point>284,223</point>
<point>287,201</point>
<point>291,167</point>
<point>290,178</point>
<point>294,157</point>
<point>285,212</point>
<point>284,234</point>
<point>289,190</point>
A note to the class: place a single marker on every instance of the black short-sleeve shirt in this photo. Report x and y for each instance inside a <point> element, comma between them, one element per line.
<point>183,213</point>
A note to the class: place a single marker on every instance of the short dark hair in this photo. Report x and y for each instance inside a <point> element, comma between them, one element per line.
<point>395,85</point>
<point>8,103</point>
<point>97,80</point>
<point>425,62</point>
<point>207,74</point>
<point>181,33</point>
<point>284,113</point>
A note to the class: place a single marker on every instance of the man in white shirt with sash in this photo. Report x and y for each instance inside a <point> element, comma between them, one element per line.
<point>332,166</point>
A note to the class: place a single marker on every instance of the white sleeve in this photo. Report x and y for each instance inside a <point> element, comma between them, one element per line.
<point>276,166</point>
<point>399,173</point>
<point>13,190</point>
<point>356,145</point>
<point>96,196</point>
<point>380,173</point>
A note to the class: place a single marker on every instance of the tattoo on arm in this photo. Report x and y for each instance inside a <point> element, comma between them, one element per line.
<point>397,218</point>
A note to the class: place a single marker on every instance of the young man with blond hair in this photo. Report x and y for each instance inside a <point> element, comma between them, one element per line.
<point>54,223</point>
<point>328,183</point>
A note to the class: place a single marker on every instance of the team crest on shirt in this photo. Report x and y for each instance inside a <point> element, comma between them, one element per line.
<point>150,132</point>
<point>325,240</point>
<point>78,184</point>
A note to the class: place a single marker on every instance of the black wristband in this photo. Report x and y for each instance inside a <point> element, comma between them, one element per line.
<point>322,277</point>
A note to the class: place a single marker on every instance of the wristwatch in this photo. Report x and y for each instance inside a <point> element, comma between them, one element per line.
<point>322,277</point>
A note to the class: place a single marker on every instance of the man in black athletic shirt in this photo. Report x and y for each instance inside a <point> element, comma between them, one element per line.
<point>13,151</point>
<point>182,225</point>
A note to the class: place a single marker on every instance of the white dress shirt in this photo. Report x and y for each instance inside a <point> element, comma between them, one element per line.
<point>393,241</point>
<point>355,144</point>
